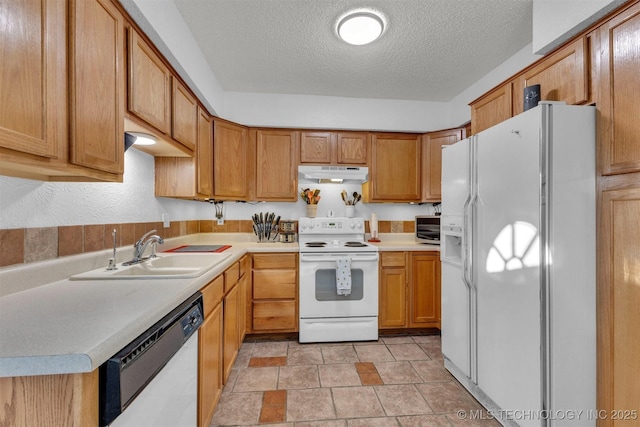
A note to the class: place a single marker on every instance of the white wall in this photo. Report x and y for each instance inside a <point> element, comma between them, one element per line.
<point>556,21</point>
<point>29,203</point>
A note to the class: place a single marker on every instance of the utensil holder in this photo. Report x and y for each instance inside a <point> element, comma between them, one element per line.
<point>351,211</point>
<point>312,211</point>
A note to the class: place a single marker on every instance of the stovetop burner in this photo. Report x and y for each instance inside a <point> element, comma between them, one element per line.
<point>315,244</point>
<point>355,244</point>
<point>333,235</point>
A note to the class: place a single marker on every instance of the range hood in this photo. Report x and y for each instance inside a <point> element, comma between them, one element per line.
<point>336,174</point>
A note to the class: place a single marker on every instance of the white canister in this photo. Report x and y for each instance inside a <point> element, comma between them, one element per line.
<point>373,226</point>
<point>351,211</point>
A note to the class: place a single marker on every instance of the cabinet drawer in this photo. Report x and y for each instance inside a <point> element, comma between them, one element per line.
<point>270,261</point>
<point>274,277</point>
<point>392,259</point>
<point>231,276</point>
<point>272,288</point>
<point>212,294</point>
<point>274,315</point>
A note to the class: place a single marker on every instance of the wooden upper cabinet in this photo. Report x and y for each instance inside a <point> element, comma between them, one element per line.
<point>97,85</point>
<point>33,77</point>
<point>619,93</point>
<point>562,76</point>
<point>276,169</point>
<point>492,108</point>
<point>204,155</point>
<point>232,161</point>
<point>184,128</point>
<point>317,147</point>
<point>149,88</point>
<point>395,174</point>
<point>352,148</point>
<point>334,148</point>
<point>188,177</point>
<point>432,144</point>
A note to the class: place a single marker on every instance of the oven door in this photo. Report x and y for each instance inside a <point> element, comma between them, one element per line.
<point>318,292</point>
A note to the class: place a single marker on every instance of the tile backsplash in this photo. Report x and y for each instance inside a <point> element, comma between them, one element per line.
<point>24,245</point>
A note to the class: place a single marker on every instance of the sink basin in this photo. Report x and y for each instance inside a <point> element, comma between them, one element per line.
<point>165,266</point>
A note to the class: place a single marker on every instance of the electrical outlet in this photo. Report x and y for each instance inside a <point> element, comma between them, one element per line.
<point>220,221</point>
<point>165,221</point>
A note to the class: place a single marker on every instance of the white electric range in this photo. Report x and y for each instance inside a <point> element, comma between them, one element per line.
<point>330,249</point>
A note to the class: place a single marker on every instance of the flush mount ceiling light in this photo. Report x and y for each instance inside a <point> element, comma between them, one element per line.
<point>360,27</point>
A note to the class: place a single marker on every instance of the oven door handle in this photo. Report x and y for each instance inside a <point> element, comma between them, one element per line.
<point>354,257</point>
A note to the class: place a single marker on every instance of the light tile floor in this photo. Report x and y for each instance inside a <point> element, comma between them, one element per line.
<point>396,381</point>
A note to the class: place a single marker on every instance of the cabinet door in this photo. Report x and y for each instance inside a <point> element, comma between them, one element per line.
<point>230,327</point>
<point>204,155</point>
<point>231,160</point>
<point>97,85</point>
<point>317,147</point>
<point>184,116</point>
<point>619,93</point>
<point>618,301</point>
<point>424,288</point>
<point>562,76</point>
<point>393,298</point>
<point>242,308</point>
<point>395,169</point>
<point>432,144</point>
<point>352,148</point>
<point>276,169</point>
<point>149,85</point>
<point>492,108</point>
<point>209,366</point>
<point>33,77</point>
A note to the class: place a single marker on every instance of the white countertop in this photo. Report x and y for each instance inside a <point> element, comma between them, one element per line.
<point>52,325</point>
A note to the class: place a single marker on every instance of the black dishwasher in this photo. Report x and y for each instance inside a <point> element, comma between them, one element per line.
<point>125,375</point>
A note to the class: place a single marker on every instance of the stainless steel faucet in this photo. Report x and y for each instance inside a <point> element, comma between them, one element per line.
<point>141,245</point>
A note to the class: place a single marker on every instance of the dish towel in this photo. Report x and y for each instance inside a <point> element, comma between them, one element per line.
<point>343,276</point>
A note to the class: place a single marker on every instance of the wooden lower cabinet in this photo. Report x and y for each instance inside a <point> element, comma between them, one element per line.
<point>424,290</point>
<point>392,296</point>
<point>244,296</point>
<point>409,290</point>
<point>231,344</point>
<point>49,400</point>
<point>274,293</point>
<point>210,347</point>
<point>618,296</point>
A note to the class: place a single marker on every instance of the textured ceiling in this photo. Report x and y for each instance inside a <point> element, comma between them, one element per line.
<point>431,50</point>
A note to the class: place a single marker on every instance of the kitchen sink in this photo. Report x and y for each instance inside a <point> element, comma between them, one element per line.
<point>164,266</point>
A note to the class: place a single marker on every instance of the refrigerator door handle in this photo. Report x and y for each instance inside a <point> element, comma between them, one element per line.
<point>466,251</point>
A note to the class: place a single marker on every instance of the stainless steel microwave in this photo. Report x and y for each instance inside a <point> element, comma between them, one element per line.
<point>428,229</point>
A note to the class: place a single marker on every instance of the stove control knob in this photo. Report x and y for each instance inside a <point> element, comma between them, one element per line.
<point>359,225</point>
<point>352,225</point>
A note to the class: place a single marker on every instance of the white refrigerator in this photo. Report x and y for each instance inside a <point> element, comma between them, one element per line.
<point>518,266</point>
